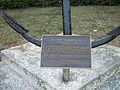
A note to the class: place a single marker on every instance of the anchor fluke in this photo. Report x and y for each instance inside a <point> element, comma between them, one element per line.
<point>20,29</point>
<point>107,38</point>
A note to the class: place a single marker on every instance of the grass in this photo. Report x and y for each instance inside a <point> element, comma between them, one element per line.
<point>39,21</point>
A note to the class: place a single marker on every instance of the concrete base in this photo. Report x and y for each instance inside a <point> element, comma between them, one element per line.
<point>25,61</point>
<point>10,80</point>
<point>113,83</point>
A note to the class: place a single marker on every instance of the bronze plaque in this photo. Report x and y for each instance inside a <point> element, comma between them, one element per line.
<point>66,51</point>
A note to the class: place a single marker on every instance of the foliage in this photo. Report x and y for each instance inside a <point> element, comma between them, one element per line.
<point>11,4</point>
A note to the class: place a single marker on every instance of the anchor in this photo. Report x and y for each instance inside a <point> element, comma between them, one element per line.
<point>66,31</point>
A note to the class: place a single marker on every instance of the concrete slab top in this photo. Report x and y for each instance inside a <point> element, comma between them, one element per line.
<point>9,80</point>
<point>28,56</point>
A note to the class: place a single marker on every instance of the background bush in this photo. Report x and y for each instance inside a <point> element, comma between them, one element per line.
<point>11,4</point>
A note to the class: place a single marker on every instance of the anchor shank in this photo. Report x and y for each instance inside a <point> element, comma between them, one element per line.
<point>66,30</point>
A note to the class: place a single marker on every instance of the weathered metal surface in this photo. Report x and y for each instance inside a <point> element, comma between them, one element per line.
<point>66,51</point>
<point>105,39</point>
<point>66,75</point>
<point>66,17</point>
<point>20,29</point>
<point>66,30</point>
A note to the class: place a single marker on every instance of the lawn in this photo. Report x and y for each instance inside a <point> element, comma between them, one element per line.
<point>39,21</point>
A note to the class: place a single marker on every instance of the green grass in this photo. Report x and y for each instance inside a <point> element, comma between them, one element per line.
<point>41,21</point>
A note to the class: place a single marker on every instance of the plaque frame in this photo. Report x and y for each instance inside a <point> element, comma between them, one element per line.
<point>64,67</point>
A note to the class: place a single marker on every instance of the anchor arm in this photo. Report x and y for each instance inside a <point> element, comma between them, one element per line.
<point>109,37</point>
<point>32,39</point>
<point>20,29</point>
<point>13,23</point>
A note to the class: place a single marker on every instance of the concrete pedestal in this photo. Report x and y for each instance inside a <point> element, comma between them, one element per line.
<point>25,61</point>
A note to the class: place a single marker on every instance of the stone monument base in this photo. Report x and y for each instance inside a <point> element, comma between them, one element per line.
<point>24,60</point>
